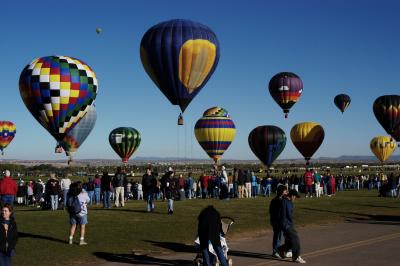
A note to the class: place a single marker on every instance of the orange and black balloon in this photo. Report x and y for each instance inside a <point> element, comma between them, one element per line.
<point>286,89</point>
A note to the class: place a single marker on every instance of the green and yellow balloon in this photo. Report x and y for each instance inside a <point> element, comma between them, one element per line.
<point>124,141</point>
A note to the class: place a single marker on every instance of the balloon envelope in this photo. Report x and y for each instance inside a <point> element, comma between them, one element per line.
<point>179,56</point>
<point>75,137</point>
<point>58,91</point>
<point>387,112</point>
<point>342,101</point>
<point>286,89</point>
<point>307,137</point>
<point>215,132</point>
<point>382,147</point>
<point>124,141</point>
<point>267,143</point>
<point>98,30</point>
<point>7,133</point>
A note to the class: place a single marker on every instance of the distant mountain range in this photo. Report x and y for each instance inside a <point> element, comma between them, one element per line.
<point>175,160</point>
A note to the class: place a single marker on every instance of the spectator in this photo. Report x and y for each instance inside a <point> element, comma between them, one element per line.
<point>65,183</point>
<point>8,189</point>
<point>79,218</point>
<point>106,189</point>
<point>8,235</point>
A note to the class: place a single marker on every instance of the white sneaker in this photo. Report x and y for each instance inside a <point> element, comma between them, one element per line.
<point>276,255</point>
<point>299,260</point>
<point>288,254</point>
<point>70,241</point>
<point>82,243</point>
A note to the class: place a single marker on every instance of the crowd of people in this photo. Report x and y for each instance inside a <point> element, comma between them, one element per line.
<point>104,189</point>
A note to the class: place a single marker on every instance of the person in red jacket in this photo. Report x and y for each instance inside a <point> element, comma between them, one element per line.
<point>8,189</point>
<point>308,181</point>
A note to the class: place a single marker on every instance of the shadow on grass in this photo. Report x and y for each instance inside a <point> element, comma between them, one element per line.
<point>176,247</point>
<point>28,235</point>
<point>140,259</point>
<point>128,210</point>
<point>379,206</point>
<point>354,217</point>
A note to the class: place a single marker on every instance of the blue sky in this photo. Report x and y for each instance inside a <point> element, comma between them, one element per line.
<point>334,46</point>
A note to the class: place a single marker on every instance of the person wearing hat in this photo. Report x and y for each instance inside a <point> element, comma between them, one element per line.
<point>292,240</point>
<point>8,189</point>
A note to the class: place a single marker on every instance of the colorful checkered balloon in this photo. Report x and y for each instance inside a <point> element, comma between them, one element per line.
<point>58,91</point>
<point>7,133</point>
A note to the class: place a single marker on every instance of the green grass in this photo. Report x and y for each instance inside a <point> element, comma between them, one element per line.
<point>119,231</point>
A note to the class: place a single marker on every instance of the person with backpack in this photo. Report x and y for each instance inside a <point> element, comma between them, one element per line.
<point>149,183</point>
<point>77,209</point>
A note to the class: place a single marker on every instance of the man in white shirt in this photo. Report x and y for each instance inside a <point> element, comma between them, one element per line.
<point>65,183</point>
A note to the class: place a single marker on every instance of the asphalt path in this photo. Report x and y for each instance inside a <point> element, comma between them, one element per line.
<point>356,242</point>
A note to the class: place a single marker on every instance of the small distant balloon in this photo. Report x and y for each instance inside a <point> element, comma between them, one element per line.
<point>98,30</point>
<point>342,101</point>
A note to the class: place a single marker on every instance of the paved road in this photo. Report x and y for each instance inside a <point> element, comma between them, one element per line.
<point>352,243</point>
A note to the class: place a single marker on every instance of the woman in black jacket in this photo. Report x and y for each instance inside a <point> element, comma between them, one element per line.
<point>8,235</point>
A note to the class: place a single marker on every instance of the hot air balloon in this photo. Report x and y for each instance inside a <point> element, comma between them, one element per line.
<point>98,30</point>
<point>7,133</point>
<point>267,143</point>
<point>382,147</point>
<point>307,137</point>
<point>124,141</point>
<point>179,56</point>
<point>58,91</point>
<point>387,112</point>
<point>286,89</point>
<point>342,101</point>
<point>75,137</point>
<point>215,132</point>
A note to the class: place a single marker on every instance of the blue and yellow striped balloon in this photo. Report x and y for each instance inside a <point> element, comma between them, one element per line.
<point>215,132</point>
<point>179,56</point>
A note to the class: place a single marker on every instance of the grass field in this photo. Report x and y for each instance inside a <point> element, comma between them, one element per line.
<point>43,234</point>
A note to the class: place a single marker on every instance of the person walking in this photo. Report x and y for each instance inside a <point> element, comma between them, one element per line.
<point>78,214</point>
<point>170,191</point>
<point>209,231</point>
<point>65,183</point>
<point>274,207</point>
<point>106,189</point>
<point>292,240</point>
<point>8,189</point>
<point>8,235</point>
<point>118,183</point>
<point>241,182</point>
<point>149,183</point>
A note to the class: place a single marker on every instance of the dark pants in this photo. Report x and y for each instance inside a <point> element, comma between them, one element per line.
<point>292,241</point>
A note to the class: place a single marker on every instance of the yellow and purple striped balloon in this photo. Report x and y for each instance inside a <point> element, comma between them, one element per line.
<point>215,132</point>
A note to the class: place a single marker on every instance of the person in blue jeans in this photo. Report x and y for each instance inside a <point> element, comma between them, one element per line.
<point>97,189</point>
<point>209,230</point>
<point>106,189</point>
